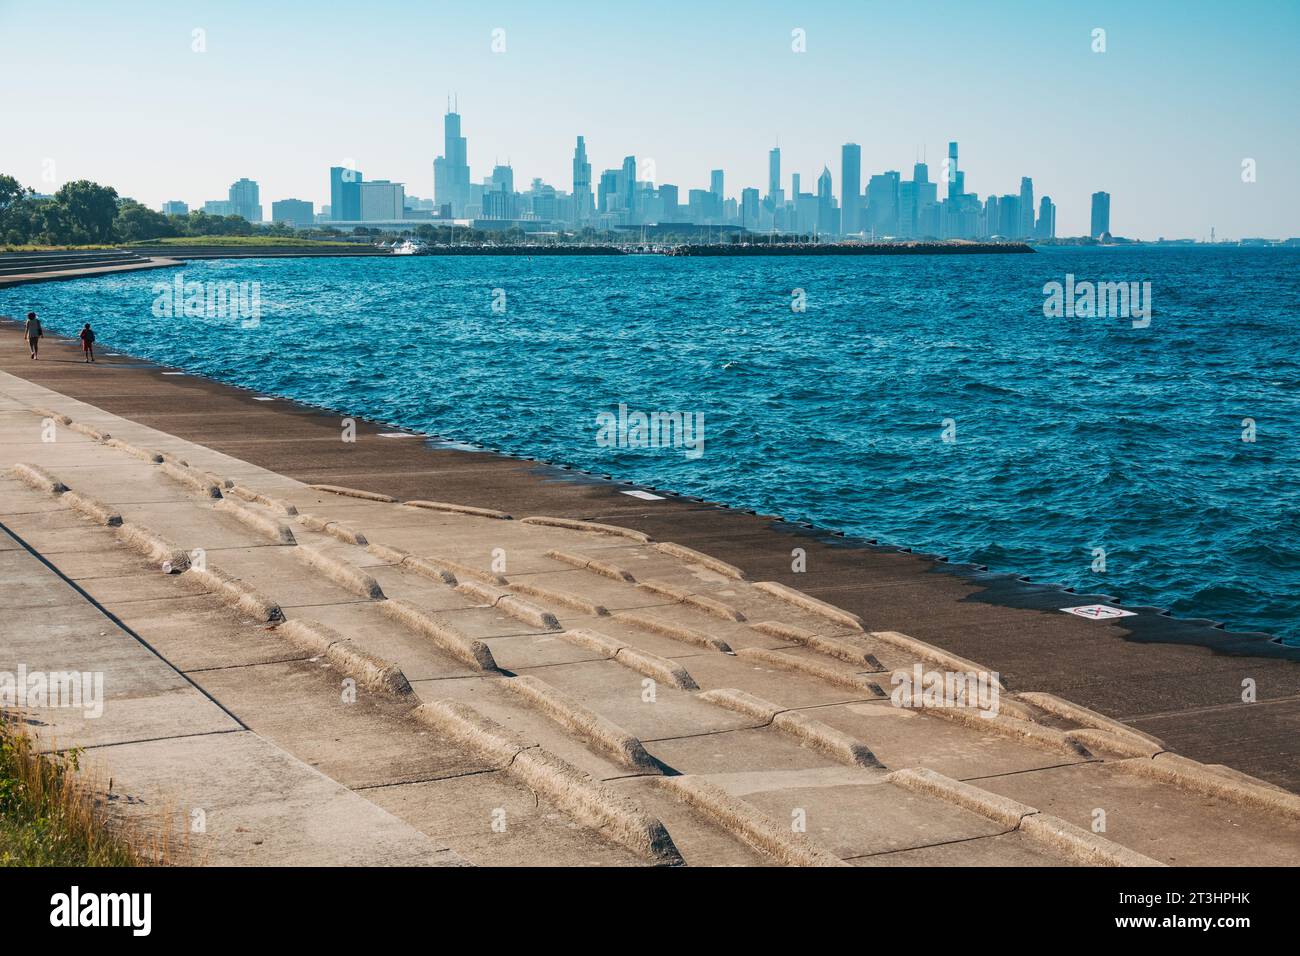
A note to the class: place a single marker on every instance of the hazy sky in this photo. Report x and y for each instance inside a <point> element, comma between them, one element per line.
<point>1186,90</point>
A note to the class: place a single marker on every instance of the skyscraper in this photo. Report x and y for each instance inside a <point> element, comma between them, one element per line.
<point>451,169</point>
<point>581,182</point>
<point>627,189</point>
<point>1100,214</point>
<point>850,188</point>
<point>244,200</point>
<point>345,194</point>
<point>882,204</point>
<point>1046,228</point>
<point>774,173</point>
<point>1026,208</point>
<point>827,219</point>
<point>715,185</point>
<point>955,184</point>
<point>749,208</point>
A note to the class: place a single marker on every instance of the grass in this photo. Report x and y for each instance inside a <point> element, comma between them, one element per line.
<point>239,241</point>
<point>31,247</point>
<point>51,814</point>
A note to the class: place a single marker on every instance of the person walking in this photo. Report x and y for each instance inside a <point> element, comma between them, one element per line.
<point>33,332</point>
<point>87,337</point>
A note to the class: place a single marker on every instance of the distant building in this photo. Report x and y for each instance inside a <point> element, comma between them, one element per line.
<point>1009,217</point>
<point>582,200</point>
<point>345,194</point>
<point>293,212</point>
<point>828,216</point>
<point>1046,227</point>
<point>749,205</point>
<point>669,203</point>
<point>245,200</point>
<point>774,174</point>
<point>882,204</point>
<point>851,188</point>
<point>382,200</point>
<point>1026,230</point>
<point>1100,215</point>
<point>451,183</point>
<point>219,207</point>
<point>715,185</point>
<point>175,207</point>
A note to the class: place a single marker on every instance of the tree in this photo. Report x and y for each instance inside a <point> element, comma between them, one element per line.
<point>135,222</point>
<point>91,209</point>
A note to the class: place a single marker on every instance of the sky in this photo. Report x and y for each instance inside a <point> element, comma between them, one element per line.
<point>1163,119</point>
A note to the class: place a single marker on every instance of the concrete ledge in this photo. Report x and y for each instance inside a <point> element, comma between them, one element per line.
<point>135,451</point>
<point>460,571</point>
<point>1104,741</point>
<point>1078,844</point>
<point>58,417</point>
<point>830,646</point>
<point>517,608</point>
<point>93,508</point>
<point>587,801</point>
<point>699,601</point>
<point>237,593</point>
<point>603,734</point>
<point>155,547</point>
<point>275,504</point>
<point>373,673</point>
<point>387,552</point>
<point>354,493</point>
<point>928,652</point>
<point>341,572</point>
<point>335,529</point>
<point>595,527</point>
<point>90,431</point>
<point>264,525</point>
<point>467,650</point>
<point>677,632</point>
<point>37,477</point>
<point>459,509</point>
<point>1081,845</point>
<point>742,703</point>
<point>643,662</point>
<point>563,598</point>
<point>834,743</point>
<point>749,823</point>
<point>1089,718</point>
<point>1199,778</point>
<point>195,480</point>
<point>583,562</point>
<point>1002,810</point>
<point>806,602</point>
<point>428,569</point>
<point>813,668</point>
<point>1015,728</point>
<point>697,557</point>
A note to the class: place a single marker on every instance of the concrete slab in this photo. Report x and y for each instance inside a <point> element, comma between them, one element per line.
<point>260,806</point>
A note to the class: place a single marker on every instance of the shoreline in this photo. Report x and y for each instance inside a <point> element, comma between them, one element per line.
<point>1178,678</point>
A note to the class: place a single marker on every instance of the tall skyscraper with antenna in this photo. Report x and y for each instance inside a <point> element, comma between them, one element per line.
<point>451,169</point>
<point>582,205</point>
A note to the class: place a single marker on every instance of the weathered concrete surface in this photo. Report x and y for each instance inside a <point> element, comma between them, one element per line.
<point>170,751</point>
<point>1180,679</point>
<point>764,779</point>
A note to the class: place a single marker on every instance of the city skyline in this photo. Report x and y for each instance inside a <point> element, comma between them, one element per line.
<point>1163,119</point>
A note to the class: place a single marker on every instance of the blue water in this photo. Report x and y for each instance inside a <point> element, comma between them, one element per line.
<point>1071,434</point>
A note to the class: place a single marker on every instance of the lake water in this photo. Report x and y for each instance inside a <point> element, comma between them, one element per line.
<point>923,401</point>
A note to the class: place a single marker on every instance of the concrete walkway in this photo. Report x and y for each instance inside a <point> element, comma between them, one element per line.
<point>524,687</point>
